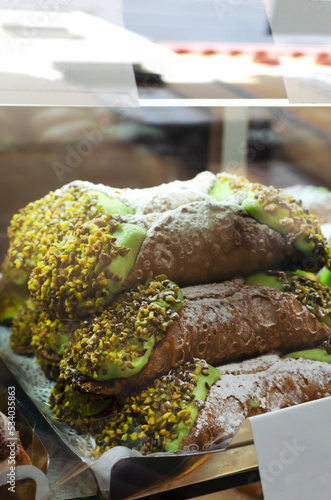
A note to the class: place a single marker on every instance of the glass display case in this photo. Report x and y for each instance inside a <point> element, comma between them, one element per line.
<point>137,96</point>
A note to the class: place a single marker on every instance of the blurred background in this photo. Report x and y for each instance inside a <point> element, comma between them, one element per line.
<point>210,86</point>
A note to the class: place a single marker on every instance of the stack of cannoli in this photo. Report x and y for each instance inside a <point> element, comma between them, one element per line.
<point>167,312</point>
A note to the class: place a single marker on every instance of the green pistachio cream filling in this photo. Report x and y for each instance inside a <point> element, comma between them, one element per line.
<point>52,335</point>
<point>118,343</point>
<point>280,212</point>
<point>317,354</point>
<point>158,418</point>
<point>71,406</point>
<point>313,294</point>
<point>80,275</point>
<point>325,276</point>
<point>46,221</point>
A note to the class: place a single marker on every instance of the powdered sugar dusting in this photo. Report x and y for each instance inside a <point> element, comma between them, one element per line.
<point>259,385</point>
<point>157,198</point>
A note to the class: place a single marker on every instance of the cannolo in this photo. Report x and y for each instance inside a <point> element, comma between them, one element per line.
<point>34,332</point>
<point>278,210</point>
<point>196,407</point>
<point>76,409</point>
<point>156,327</point>
<point>46,220</point>
<point>51,336</point>
<point>22,328</point>
<point>256,386</point>
<point>12,298</point>
<point>196,243</point>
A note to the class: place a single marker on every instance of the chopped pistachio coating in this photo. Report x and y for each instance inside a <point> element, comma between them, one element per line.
<point>160,415</point>
<point>118,342</point>
<point>44,222</point>
<point>12,298</point>
<point>52,334</point>
<point>313,294</point>
<point>281,212</point>
<point>73,278</point>
<point>73,407</point>
<point>10,272</point>
<point>51,370</point>
<point>23,327</point>
<point>228,184</point>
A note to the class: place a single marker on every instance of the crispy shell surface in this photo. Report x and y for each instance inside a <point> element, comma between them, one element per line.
<point>256,386</point>
<point>203,242</point>
<point>222,323</point>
